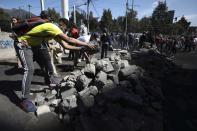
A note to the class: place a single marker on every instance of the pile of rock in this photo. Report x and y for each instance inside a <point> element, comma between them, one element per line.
<point>111,94</point>
<point>114,93</point>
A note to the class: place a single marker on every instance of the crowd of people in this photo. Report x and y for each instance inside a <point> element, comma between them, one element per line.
<point>164,43</point>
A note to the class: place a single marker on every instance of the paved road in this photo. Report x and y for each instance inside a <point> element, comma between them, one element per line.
<point>12,118</point>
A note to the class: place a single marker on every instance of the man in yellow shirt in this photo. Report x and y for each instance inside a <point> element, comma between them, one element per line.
<point>34,37</point>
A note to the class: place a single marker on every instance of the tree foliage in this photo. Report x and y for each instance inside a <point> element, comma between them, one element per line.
<point>160,19</point>
<point>182,26</point>
<point>106,19</point>
<point>4,21</point>
<point>55,16</point>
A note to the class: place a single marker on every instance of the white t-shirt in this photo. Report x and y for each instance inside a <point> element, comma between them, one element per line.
<point>83,30</point>
<point>195,40</point>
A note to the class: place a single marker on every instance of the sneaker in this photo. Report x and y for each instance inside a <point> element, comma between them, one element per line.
<point>28,106</point>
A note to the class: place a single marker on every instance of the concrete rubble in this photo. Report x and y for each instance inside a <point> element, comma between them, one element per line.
<point>115,94</point>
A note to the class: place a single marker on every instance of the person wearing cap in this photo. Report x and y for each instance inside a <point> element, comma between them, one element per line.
<point>34,37</point>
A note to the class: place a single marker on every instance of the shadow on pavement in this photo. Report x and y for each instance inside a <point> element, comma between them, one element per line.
<point>8,63</point>
<point>14,71</point>
<point>8,89</point>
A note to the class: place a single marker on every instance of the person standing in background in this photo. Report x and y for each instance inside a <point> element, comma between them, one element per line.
<point>83,29</point>
<point>106,42</point>
<point>14,22</point>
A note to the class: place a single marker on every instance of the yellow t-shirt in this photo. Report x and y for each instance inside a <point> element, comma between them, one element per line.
<point>40,33</point>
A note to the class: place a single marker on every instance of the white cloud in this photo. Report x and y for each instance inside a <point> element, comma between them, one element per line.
<point>149,11</point>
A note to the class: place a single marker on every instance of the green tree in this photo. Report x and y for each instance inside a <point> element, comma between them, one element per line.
<point>106,19</point>
<point>116,26</point>
<point>79,17</point>
<point>4,21</point>
<point>145,24</point>
<point>160,19</point>
<point>132,21</point>
<point>182,26</point>
<point>93,23</point>
<point>55,16</point>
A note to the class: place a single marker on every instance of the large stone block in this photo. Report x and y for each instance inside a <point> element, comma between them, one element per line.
<point>133,79</point>
<point>100,79</point>
<point>82,82</point>
<point>86,101</point>
<point>42,110</point>
<point>123,52</point>
<point>90,70</point>
<point>92,90</point>
<point>69,92</point>
<point>39,99</point>
<point>76,73</point>
<point>70,102</point>
<point>125,72</point>
<point>110,85</point>
<point>123,63</point>
<point>115,57</point>
<point>69,84</point>
<point>104,65</point>
<point>114,78</point>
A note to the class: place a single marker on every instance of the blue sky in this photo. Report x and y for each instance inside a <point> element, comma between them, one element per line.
<point>188,8</point>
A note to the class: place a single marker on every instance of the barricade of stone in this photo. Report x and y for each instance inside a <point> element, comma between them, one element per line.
<point>124,96</point>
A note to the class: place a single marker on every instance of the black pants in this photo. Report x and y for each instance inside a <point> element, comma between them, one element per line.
<point>42,57</point>
<point>104,50</point>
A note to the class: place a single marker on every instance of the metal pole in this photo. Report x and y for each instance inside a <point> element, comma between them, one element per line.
<point>88,14</point>
<point>74,15</point>
<point>126,17</point>
<point>29,10</point>
<point>42,4</point>
<point>132,14</point>
<point>126,24</point>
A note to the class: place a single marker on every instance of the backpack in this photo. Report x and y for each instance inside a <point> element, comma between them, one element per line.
<point>26,25</point>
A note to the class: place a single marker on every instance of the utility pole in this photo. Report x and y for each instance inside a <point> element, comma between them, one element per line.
<point>88,14</point>
<point>126,21</point>
<point>42,5</point>
<point>74,15</point>
<point>29,10</point>
<point>132,12</point>
<point>65,8</point>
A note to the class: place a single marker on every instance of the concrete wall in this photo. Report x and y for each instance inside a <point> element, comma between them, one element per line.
<point>5,40</point>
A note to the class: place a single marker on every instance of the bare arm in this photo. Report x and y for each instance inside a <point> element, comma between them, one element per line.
<point>72,40</point>
<point>66,45</point>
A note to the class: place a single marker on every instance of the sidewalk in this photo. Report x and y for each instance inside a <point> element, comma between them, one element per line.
<point>8,55</point>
